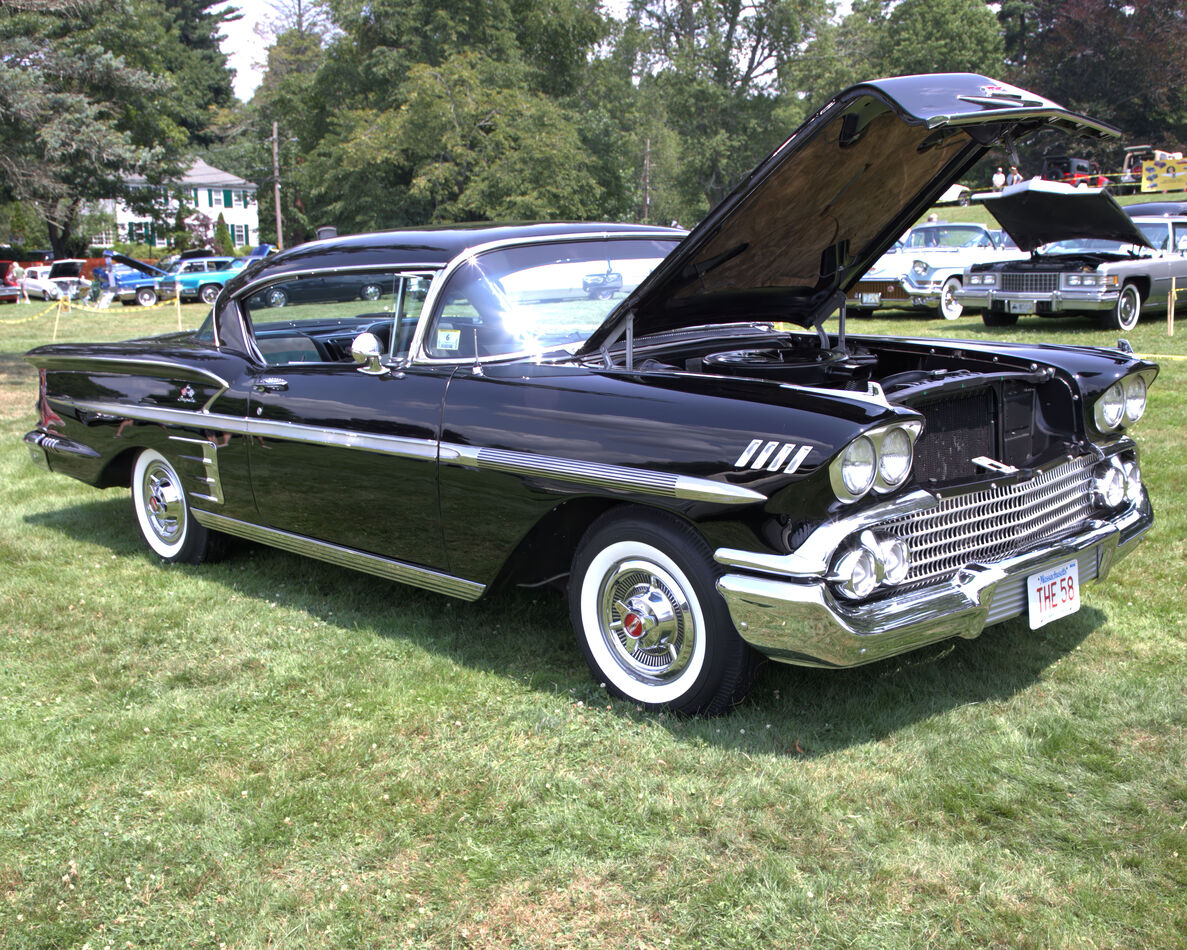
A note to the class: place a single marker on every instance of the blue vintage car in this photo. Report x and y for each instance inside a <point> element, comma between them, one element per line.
<point>201,278</point>
<point>132,281</point>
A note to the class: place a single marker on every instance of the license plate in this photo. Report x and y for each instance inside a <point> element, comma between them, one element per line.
<point>1022,306</point>
<point>871,300</point>
<point>1053,593</point>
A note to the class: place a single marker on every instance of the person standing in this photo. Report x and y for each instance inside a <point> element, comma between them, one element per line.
<point>1015,177</point>
<point>999,179</point>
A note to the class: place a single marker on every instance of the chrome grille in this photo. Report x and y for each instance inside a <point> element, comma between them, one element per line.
<point>1030,283</point>
<point>888,289</point>
<point>987,526</point>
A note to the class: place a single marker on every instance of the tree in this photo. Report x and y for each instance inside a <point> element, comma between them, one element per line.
<point>715,65</point>
<point>1125,62</point>
<point>86,102</point>
<point>925,36</point>
<point>222,236</point>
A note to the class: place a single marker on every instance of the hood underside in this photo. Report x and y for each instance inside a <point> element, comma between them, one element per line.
<point>144,268</point>
<point>824,206</point>
<point>1034,213</point>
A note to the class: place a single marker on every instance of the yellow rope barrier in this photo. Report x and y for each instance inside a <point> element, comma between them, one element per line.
<point>36,316</point>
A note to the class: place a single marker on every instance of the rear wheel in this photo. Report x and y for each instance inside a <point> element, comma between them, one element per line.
<point>1125,313</point>
<point>276,297</point>
<point>163,514</point>
<point>950,307</point>
<point>998,318</point>
<point>371,292</point>
<point>649,619</point>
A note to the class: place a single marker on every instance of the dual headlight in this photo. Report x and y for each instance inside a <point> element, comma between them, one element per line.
<point>981,280</point>
<point>879,460</point>
<point>920,268</point>
<point>1088,280</point>
<point>1122,404</point>
<point>1117,482</point>
<point>874,560</point>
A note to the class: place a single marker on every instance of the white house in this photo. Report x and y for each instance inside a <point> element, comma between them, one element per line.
<point>210,191</point>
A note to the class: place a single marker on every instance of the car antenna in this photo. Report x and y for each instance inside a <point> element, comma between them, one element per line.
<point>476,369</point>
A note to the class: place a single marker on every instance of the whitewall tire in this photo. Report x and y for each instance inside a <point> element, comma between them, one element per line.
<point>163,514</point>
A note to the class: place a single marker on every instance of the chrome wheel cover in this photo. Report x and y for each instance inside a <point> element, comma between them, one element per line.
<point>372,292</point>
<point>950,307</point>
<point>646,620</point>
<point>163,503</point>
<point>1129,307</point>
<point>276,298</point>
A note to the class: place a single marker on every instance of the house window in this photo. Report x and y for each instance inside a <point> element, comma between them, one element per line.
<point>215,197</point>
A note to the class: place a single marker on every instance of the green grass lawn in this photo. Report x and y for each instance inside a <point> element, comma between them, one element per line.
<point>271,752</point>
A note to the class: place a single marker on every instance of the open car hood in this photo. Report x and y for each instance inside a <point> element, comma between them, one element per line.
<point>1038,212</point>
<point>66,269</point>
<point>823,207</point>
<point>144,268</point>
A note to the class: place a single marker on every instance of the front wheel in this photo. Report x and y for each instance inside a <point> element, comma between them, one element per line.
<point>208,293</point>
<point>950,307</point>
<point>163,514</point>
<point>146,296</point>
<point>648,617</point>
<point>1125,313</point>
<point>998,318</point>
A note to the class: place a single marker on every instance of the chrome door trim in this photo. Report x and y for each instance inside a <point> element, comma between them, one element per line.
<point>393,570</point>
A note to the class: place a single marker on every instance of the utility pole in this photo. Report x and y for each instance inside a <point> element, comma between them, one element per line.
<point>276,183</point>
<point>647,182</point>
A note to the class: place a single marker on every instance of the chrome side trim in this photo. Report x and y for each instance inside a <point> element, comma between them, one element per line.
<point>398,446</point>
<point>209,462</point>
<point>183,370</point>
<point>344,557</point>
<point>598,475</point>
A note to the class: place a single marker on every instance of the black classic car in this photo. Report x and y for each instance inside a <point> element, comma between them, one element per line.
<point>712,474</point>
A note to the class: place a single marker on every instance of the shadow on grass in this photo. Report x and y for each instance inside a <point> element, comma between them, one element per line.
<point>525,635</point>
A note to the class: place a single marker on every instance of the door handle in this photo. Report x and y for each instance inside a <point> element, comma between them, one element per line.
<point>271,384</point>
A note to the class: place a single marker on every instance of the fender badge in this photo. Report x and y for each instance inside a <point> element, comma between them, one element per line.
<point>187,394</point>
<point>773,456</point>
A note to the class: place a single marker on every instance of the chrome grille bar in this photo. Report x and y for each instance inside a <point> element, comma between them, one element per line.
<point>1030,283</point>
<point>990,525</point>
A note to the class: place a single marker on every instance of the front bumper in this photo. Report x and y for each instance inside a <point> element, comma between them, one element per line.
<point>798,620</point>
<point>1058,301</point>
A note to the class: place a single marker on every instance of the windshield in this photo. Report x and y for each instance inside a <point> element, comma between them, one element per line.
<point>948,236</point>
<point>536,297</point>
<point>1156,233</point>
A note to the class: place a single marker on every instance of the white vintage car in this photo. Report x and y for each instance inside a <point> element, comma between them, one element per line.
<point>36,283</point>
<point>924,270</point>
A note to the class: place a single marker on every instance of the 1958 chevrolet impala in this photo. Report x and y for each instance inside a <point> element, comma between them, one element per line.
<point>713,474</point>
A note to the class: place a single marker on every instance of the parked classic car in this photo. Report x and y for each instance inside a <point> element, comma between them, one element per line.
<point>10,290</point>
<point>709,484</point>
<point>135,281</point>
<point>70,277</point>
<point>924,270</point>
<point>201,278</point>
<point>1091,257</point>
<point>36,283</point>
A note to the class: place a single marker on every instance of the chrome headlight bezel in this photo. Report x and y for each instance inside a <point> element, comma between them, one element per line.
<point>883,477</point>
<point>1122,404</point>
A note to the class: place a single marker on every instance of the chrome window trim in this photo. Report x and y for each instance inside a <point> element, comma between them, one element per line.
<point>388,568</point>
<point>417,354</point>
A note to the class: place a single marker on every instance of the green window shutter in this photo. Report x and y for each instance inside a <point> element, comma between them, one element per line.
<point>209,197</point>
<point>228,198</point>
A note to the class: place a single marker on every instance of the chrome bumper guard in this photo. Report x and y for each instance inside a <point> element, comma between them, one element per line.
<point>799,621</point>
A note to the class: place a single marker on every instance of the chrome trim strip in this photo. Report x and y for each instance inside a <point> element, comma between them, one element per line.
<point>209,462</point>
<point>391,270</point>
<point>398,446</point>
<point>344,557</point>
<point>86,362</point>
<point>599,475</point>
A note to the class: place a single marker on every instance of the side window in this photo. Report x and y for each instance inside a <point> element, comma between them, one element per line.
<point>315,318</point>
<point>1181,238</point>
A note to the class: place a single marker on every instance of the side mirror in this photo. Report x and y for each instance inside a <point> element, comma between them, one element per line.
<point>367,352</point>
